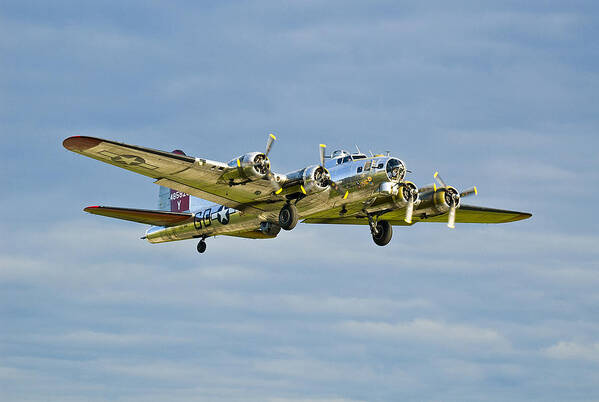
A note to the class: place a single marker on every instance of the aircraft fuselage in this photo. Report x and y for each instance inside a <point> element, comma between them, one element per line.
<point>362,181</point>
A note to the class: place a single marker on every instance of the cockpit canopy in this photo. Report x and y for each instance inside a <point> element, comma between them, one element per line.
<point>339,153</point>
<point>340,156</point>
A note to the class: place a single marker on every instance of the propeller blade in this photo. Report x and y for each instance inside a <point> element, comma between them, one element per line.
<point>469,192</point>
<point>271,140</point>
<point>340,189</point>
<point>275,186</point>
<point>439,179</point>
<point>451,220</point>
<point>322,150</point>
<point>409,211</point>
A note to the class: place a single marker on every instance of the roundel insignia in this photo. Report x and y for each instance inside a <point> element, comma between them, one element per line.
<point>369,178</point>
<point>130,160</point>
<point>223,215</point>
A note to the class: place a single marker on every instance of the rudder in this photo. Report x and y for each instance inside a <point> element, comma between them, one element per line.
<point>173,200</point>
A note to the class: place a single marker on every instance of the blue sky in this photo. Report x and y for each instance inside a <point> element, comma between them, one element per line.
<point>502,95</point>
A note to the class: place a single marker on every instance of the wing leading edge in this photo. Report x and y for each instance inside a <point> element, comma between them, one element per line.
<point>474,214</point>
<point>196,176</point>
<point>465,214</point>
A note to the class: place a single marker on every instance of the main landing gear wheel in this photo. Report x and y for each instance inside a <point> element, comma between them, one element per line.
<point>201,246</point>
<point>382,233</point>
<point>288,217</point>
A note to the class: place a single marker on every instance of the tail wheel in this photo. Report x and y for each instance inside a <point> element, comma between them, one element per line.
<point>201,246</point>
<point>383,233</point>
<point>288,217</point>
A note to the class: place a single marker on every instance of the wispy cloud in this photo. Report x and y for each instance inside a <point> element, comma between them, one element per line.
<point>428,331</point>
<point>573,351</point>
<point>496,95</point>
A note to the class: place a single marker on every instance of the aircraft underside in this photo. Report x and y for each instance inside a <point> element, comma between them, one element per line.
<point>251,201</point>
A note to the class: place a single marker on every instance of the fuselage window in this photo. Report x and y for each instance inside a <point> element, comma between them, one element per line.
<point>367,166</point>
<point>380,166</point>
<point>359,169</point>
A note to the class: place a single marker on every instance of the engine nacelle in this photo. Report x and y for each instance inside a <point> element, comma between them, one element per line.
<point>438,199</point>
<point>406,192</point>
<point>251,166</point>
<point>315,179</point>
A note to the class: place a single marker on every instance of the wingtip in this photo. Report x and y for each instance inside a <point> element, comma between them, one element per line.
<point>80,143</point>
<point>91,208</point>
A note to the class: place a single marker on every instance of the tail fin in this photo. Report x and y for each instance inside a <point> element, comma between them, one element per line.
<point>173,200</point>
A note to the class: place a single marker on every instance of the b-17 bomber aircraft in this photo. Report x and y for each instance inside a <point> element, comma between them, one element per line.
<point>252,201</point>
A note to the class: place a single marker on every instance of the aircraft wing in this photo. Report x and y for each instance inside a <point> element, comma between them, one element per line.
<point>465,214</point>
<point>156,218</point>
<point>474,214</point>
<point>196,176</point>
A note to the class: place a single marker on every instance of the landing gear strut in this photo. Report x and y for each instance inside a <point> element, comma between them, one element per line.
<point>381,231</point>
<point>201,246</point>
<point>288,217</point>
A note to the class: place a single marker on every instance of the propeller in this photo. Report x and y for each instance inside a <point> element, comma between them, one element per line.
<point>270,175</point>
<point>338,187</point>
<point>271,140</point>
<point>452,198</point>
<point>409,211</point>
<point>469,192</point>
<point>439,179</point>
<point>410,193</point>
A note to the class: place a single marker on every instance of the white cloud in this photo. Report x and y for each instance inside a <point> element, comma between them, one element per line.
<point>573,351</point>
<point>100,339</point>
<point>319,313</point>
<point>428,331</point>
<point>299,399</point>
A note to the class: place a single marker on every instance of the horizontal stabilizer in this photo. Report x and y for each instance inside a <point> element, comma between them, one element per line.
<point>150,217</point>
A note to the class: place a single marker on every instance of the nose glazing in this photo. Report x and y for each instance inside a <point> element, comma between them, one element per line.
<point>396,169</point>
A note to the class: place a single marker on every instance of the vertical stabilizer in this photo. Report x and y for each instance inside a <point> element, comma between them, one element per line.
<point>164,199</point>
<point>173,200</point>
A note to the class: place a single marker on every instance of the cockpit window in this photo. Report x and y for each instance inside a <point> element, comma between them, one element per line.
<point>356,157</point>
<point>338,153</point>
<point>347,159</point>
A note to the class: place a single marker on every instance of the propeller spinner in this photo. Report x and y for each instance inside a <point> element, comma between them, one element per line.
<point>410,193</point>
<point>452,198</point>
